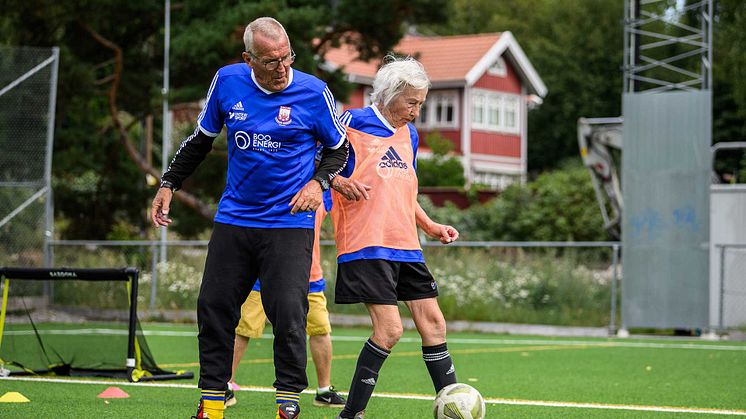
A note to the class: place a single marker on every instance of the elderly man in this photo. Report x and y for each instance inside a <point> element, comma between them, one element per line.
<point>380,261</point>
<point>263,228</point>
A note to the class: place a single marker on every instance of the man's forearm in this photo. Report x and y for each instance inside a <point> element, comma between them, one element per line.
<point>333,161</point>
<point>190,154</point>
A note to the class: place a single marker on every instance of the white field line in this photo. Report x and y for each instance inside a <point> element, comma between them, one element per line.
<point>481,341</point>
<point>575,405</point>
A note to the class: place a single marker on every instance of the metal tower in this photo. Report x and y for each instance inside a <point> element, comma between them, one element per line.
<point>667,45</point>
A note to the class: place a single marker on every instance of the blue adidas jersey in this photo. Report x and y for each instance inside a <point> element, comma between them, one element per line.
<point>271,143</point>
<point>370,121</point>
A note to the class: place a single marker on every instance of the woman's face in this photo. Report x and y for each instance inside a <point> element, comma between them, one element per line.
<point>405,107</point>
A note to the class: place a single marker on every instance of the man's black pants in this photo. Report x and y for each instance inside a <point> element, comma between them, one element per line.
<point>236,257</point>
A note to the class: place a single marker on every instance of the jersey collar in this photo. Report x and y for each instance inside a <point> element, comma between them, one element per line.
<point>269,92</point>
<point>383,120</point>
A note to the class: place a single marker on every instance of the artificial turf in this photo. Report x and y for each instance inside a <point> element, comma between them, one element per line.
<point>613,374</point>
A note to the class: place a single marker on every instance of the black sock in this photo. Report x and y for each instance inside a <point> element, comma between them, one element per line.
<point>439,365</point>
<point>364,381</point>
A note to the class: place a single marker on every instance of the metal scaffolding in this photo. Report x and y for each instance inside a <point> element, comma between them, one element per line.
<point>667,45</point>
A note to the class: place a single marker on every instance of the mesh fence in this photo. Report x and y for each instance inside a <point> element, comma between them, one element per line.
<point>27,83</point>
<point>559,286</point>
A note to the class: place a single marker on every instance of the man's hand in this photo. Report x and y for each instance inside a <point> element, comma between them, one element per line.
<point>160,207</point>
<point>306,199</point>
<point>445,233</point>
<point>353,190</point>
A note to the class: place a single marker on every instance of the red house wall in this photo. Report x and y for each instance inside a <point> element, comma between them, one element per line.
<point>355,100</point>
<point>495,144</point>
<point>510,83</point>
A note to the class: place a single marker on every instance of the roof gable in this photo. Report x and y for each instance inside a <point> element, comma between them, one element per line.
<point>449,60</point>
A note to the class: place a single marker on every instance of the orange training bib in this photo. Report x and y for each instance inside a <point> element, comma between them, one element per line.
<point>387,219</point>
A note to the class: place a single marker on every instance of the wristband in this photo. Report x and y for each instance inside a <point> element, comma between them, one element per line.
<point>323,182</point>
<point>167,184</point>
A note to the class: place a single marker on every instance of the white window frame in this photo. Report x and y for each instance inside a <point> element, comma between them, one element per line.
<point>510,107</point>
<point>503,105</point>
<point>429,110</point>
<point>478,112</point>
<point>498,68</point>
<point>496,181</point>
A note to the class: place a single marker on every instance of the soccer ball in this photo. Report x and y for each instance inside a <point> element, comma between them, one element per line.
<point>458,401</point>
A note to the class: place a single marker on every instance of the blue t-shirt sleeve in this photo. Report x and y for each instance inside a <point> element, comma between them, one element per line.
<point>327,198</point>
<point>346,118</point>
<point>210,120</point>
<point>415,137</point>
<point>329,130</point>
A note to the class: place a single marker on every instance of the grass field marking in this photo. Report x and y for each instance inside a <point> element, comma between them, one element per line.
<point>523,349</point>
<point>609,343</point>
<point>492,350</point>
<point>485,341</point>
<point>415,396</point>
<point>663,409</point>
<point>196,364</point>
<point>90,331</point>
<point>98,331</point>
<point>102,382</point>
<point>408,354</point>
<point>576,405</point>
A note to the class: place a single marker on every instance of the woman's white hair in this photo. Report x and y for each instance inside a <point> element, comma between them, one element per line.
<point>394,76</point>
<point>266,26</point>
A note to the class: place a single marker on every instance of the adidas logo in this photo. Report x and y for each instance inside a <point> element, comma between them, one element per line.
<point>369,381</point>
<point>451,370</point>
<point>392,159</point>
<point>238,106</point>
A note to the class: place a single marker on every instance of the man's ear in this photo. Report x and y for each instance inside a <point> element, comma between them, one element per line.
<point>246,58</point>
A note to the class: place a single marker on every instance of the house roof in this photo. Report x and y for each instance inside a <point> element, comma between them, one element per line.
<point>450,61</point>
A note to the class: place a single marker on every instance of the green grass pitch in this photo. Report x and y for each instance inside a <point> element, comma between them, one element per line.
<point>521,377</point>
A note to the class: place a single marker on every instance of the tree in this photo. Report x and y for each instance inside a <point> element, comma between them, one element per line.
<point>94,182</point>
<point>729,77</point>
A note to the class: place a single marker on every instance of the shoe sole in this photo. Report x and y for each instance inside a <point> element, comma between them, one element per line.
<point>322,404</point>
<point>231,402</point>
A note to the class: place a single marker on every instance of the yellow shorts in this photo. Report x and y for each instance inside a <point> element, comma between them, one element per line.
<point>253,318</point>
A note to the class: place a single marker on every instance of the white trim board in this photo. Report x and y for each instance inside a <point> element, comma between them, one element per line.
<point>507,43</point>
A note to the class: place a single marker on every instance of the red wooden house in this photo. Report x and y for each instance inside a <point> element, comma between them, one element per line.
<point>482,88</point>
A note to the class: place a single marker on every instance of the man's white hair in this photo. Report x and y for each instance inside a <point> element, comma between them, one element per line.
<point>266,26</point>
<point>395,75</point>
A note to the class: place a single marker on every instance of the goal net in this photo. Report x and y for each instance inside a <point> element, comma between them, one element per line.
<point>89,327</point>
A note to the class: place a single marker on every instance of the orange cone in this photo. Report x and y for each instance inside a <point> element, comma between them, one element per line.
<point>113,393</point>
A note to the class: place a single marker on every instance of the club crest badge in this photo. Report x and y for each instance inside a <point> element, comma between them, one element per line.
<point>283,117</point>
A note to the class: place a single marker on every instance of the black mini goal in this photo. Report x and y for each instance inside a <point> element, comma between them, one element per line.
<point>88,328</point>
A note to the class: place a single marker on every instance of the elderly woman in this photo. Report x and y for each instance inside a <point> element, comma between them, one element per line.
<point>379,254</point>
